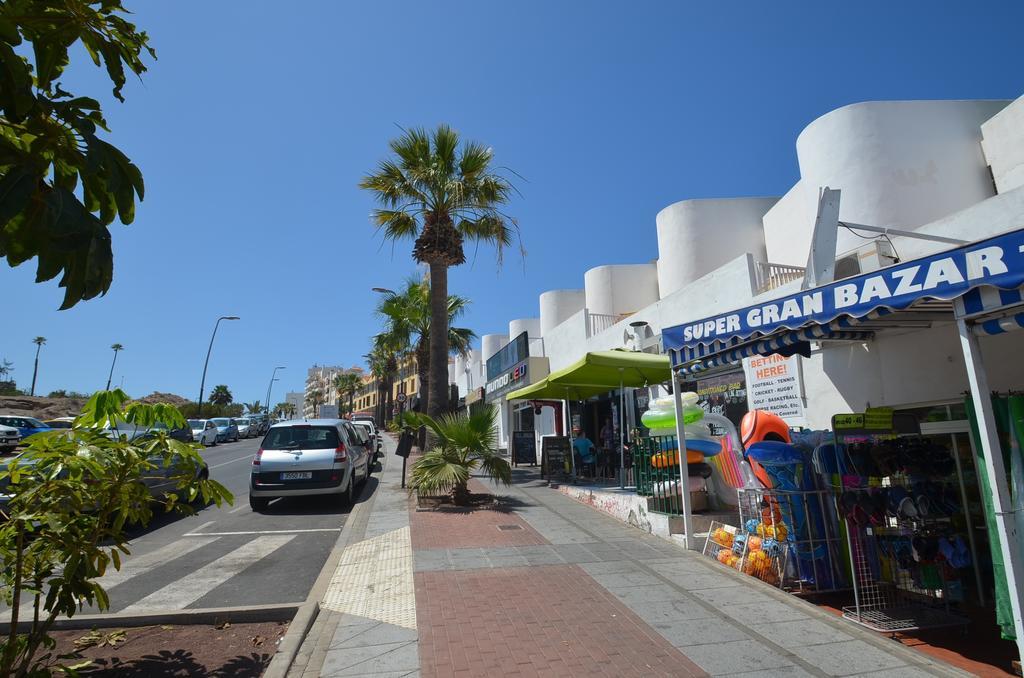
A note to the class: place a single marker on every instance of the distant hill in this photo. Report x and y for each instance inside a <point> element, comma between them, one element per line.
<point>51,408</point>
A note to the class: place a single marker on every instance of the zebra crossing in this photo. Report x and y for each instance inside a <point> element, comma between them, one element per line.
<point>201,571</point>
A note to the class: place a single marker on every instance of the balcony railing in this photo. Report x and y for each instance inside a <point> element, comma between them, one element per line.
<point>769,276</point>
<point>599,322</point>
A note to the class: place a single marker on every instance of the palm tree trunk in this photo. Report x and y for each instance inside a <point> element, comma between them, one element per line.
<point>437,402</point>
<point>423,364</point>
<point>35,370</point>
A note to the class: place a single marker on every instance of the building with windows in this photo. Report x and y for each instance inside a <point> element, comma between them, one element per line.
<point>320,388</point>
<point>297,400</point>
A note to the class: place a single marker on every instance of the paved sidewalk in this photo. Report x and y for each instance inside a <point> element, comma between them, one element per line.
<point>547,586</point>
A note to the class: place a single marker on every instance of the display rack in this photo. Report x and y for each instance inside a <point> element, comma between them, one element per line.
<point>898,585</point>
<point>802,524</point>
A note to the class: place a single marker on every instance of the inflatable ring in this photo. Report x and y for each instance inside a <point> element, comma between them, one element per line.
<point>669,459</point>
<point>666,418</point>
<point>758,426</point>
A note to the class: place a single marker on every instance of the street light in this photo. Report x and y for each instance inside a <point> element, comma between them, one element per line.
<point>270,386</point>
<point>384,290</point>
<point>202,384</point>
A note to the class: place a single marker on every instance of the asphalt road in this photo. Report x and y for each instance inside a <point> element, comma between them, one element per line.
<point>228,556</point>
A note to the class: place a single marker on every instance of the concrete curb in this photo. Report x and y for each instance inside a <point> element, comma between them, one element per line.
<point>307,613</point>
<point>208,615</point>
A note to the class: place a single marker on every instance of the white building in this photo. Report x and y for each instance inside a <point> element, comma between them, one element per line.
<point>296,399</point>
<point>320,381</point>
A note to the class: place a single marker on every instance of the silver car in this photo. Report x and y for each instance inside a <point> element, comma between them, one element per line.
<point>245,428</point>
<point>298,458</point>
<point>204,431</point>
<point>9,438</point>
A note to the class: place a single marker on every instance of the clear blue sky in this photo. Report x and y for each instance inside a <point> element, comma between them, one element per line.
<point>259,118</point>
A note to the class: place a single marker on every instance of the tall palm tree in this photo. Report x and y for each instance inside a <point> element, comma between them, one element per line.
<point>440,193</point>
<point>221,395</point>
<point>254,407</point>
<point>316,399</point>
<point>116,348</point>
<point>38,341</point>
<point>406,315</point>
<point>346,384</point>
<point>382,364</point>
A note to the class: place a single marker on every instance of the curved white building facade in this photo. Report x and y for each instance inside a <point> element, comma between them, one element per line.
<point>557,306</point>
<point>620,289</point>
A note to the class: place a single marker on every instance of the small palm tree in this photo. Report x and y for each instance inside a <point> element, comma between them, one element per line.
<point>38,341</point>
<point>316,399</point>
<point>255,407</point>
<point>220,395</point>
<point>461,444</point>
<point>406,316</point>
<point>116,348</point>
<point>439,193</point>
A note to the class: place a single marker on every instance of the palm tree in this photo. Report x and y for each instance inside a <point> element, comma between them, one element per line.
<point>346,384</point>
<point>406,316</point>
<point>38,341</point>
<point>117,348</point>
<point>440,194</point>
<point>221,395</point>
<point>254,407</point>
<point>316,399</point>
<point>461,444</point>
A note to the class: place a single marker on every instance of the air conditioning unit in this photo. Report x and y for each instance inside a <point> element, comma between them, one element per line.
<point>640,338</point>
<point>866,258</point>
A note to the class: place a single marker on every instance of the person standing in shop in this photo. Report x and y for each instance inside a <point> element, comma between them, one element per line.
<point>607,436</point>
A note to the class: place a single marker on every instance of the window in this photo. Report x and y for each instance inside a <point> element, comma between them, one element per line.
<point>301,438</point>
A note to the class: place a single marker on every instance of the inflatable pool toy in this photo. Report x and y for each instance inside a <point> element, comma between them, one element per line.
<point>666,418</point>
<point>758,426</point>
<point>670,458</point>
<point>697,438</point>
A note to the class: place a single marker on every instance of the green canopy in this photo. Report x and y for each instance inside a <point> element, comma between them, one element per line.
<point>596,373</point>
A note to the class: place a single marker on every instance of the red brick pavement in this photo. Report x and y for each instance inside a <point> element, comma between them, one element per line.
<point>551,620</point>
<point>453,529</point>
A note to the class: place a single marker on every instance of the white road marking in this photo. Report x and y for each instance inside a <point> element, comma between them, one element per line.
<point>232,534</point>
<point>192,587</point>
<point>225,463</point>
<point>241,506</point>
<point>132,566</point>
<point>206,524</point>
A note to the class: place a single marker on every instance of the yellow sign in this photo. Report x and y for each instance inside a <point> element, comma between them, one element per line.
<point>878,418</point>
<point>848,421</point>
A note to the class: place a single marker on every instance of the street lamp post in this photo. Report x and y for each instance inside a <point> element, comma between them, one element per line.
<point>202,384</point>
<point>270,386</point>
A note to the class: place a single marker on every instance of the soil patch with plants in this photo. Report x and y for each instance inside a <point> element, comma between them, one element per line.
<point>475,500</point>
<point>172,650</point>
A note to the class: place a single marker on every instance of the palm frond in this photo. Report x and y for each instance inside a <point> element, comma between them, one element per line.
<point>434,472</point>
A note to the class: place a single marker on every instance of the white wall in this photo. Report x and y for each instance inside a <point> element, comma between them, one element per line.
<point>898,163</point>
<point>491,344</point>
<point>1003,144</point>
<point>697,236</point>
<point>557,306</point>
<point>900,369</point>
<point>620,289</point>
<point>567,342</point>
<point>532,328</point>
<point>788,225</point>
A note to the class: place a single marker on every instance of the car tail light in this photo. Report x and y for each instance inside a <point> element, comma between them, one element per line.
<point>340,454</point>
<point>256,459</point>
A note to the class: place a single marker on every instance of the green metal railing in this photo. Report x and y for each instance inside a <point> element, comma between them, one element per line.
<point>659,482</point>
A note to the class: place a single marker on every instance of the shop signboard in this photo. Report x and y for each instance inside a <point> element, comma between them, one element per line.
<point>724,394</point>
<point>997,261</point>
<point>774,384</point>
<point>554,453</point>
<point>508,356</point>
<point>524,448</point>
<point>515,378</point>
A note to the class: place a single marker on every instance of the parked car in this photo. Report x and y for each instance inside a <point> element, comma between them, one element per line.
<point>226,429</point>
<point>371,431</point>
<point>363,438</point>
<point>26,425</point>
<point>315,457</point>
<point>204,431</point>
<point>245,427</point>
<point>60,422</point>
<point>9,438</point>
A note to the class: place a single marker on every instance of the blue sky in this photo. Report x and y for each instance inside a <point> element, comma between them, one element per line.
<point>259,118</point>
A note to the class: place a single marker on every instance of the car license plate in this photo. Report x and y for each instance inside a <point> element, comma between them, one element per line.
<point>297,475</point>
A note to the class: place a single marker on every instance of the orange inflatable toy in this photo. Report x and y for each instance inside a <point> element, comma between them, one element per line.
<point>758,426</point>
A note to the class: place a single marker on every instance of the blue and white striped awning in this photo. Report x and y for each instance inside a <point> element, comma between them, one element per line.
<point>994,311</point>
<point>985,278</point>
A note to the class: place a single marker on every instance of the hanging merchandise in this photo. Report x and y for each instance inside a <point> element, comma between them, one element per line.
<point>900,506</point>
<point>1009,415</point>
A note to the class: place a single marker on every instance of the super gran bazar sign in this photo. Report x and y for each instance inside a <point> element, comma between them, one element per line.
<point>998,261</point>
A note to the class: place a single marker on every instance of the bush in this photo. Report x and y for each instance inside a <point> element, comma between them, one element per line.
<point>72,493</point>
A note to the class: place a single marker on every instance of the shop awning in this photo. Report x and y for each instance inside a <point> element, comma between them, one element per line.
<point>985,277</point>
<point>598,372</point>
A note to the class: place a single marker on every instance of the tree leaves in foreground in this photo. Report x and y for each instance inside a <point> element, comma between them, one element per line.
<point>73,493</point>
<point>61,185</point>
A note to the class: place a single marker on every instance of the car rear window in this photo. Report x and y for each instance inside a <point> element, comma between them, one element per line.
<point>301,438</point>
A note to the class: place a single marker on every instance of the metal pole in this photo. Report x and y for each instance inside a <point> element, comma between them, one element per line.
<point>684,467</point>
<point>568,428</point>
<point>109,376</point>
<point>994,469</point>
<point>270,386</point>
<point>202,384</point>
<point>622,434</point>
